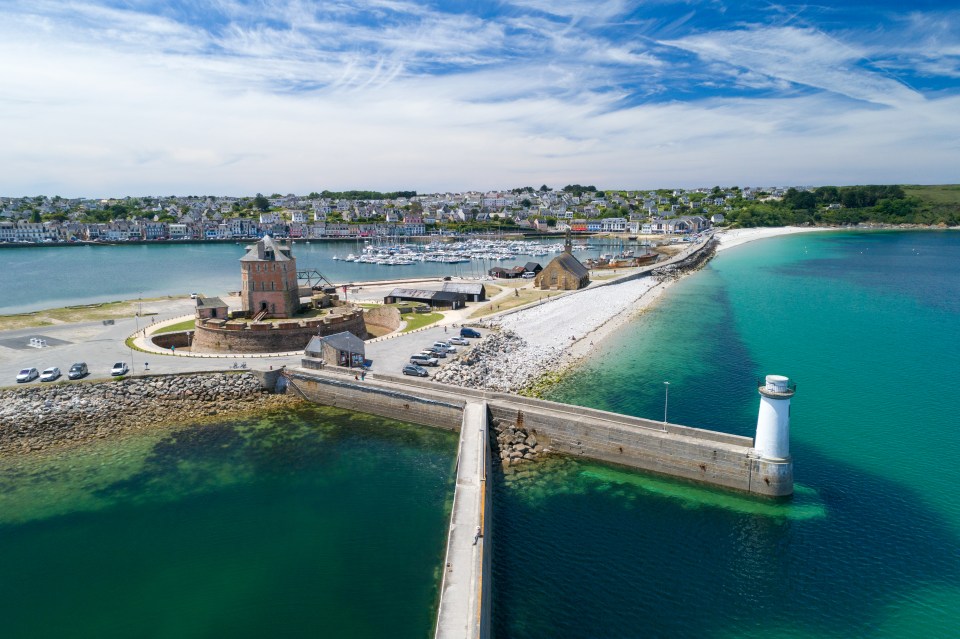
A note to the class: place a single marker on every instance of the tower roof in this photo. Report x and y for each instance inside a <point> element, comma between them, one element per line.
<point>267,250</point>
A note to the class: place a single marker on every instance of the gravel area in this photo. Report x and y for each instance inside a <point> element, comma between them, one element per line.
<point>541,338</point>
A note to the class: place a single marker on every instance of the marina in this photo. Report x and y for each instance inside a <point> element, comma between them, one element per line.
<point>460,252</point>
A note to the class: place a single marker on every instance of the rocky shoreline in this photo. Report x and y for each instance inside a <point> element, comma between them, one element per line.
<point>503,362</point>
<point>39,417</point>
<point>529,350</point>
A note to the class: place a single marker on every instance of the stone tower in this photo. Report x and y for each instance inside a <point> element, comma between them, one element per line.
<point>268,273</point>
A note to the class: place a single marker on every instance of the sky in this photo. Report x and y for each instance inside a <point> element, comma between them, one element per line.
<point>109,98</point>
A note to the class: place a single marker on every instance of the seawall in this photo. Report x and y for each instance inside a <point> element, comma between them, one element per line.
<point>37,417</point>
<point>698,454</point>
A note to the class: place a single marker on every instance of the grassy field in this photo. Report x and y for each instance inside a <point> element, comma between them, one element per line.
<point>419,320</point>
<point>526,296</point>
<point>935,193</point>
<point>185,325</point>
<point>71,314</point>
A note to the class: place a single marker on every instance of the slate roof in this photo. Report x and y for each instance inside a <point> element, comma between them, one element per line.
<point>214,302</point>
<point>463,287</point>
<point>571,264</point>
<point>345,341</point>
<point>267,249</point>
<point>416,293</point>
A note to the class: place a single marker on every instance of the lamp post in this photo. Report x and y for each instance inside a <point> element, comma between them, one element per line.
<point>666,401</point>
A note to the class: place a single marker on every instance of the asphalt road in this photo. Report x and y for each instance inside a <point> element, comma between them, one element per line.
<point>102,345</point>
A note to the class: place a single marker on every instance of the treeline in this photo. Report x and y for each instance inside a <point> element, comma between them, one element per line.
<point>851,197</point>
<point>363,195</point>
<point>829,205</point>
<point>578,190</point>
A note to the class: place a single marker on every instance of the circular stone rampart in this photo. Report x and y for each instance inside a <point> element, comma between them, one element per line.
<point>278,336</point>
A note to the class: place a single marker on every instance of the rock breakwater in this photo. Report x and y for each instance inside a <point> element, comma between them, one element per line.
<point>503,361</point>
<point>37,417</point>
<point>694,262</point>
<point>514,444</point>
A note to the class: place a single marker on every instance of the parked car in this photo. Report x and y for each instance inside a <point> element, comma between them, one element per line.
<point>469,332</point>
<point>435,352</point>
<point>78,370</point>
<point>443,346</point>
<point>120,368</point>
<point>528,275</point>
<point>50,374</point>
<point>413,369</point>
<point>459,341</point>
<point>27,375</point>
<point>422,359</point>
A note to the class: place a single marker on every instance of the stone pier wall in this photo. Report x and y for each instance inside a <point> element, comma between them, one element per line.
<point>534,428</point>
<point>340,389</point>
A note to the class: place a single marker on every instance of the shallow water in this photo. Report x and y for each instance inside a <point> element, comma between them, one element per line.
<point>302,522</point>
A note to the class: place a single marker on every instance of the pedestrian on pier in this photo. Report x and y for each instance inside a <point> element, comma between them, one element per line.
<point>476,536</point>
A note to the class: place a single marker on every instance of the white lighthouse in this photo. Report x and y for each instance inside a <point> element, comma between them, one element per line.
<point>773,422</point>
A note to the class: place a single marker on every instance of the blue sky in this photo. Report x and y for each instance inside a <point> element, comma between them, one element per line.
<point>131,97</point>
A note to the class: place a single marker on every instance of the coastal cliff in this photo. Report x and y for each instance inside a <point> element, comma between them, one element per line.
<point>38,417</point>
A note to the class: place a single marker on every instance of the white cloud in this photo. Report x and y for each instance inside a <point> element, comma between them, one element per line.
<point>800,56</point>
<point>101,106</point>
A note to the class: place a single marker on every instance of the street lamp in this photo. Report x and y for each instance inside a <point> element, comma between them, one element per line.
<point>666,401</point>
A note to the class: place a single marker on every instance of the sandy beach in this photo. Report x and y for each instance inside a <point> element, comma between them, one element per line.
<point>738,237</point>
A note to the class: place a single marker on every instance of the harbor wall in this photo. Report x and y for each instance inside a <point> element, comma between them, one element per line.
<point>340,389</point>
<point>698,454</point>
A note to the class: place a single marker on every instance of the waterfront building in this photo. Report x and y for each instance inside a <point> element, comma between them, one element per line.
<point>268,274</point>
<point>340,349</point>
<point>564,272</point>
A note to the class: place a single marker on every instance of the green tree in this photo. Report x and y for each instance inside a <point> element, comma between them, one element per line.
<point>261,203</point>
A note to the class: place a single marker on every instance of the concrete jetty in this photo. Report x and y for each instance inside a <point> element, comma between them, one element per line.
<point>464,611</point>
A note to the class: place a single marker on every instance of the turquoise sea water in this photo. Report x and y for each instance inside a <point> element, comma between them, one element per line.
<point>868,325</point>
<point>313,522</point>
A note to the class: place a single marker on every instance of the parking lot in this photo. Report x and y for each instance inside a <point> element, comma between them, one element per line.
<point>389,356</point>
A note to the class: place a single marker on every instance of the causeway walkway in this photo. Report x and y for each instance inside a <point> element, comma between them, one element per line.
<point>465,591</point>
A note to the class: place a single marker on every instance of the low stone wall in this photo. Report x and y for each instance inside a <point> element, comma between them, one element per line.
<point>38,417</point>
<point>386,316</point>
<point>222,336</point>
<point>179,339</point>
<point>333,388</point>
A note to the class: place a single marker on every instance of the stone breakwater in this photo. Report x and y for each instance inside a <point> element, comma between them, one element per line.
<point>503,361</point>
<point>514,444</point>
<point>37,417</point>
<point>692,263</point>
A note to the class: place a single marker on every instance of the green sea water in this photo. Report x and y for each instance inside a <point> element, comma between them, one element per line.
<point>868,326</point>
<point>308,522</point>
